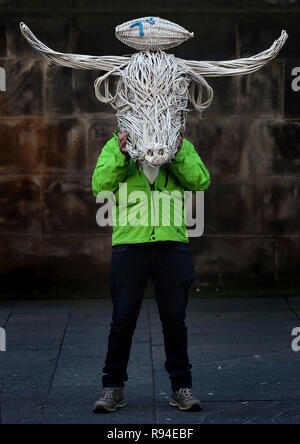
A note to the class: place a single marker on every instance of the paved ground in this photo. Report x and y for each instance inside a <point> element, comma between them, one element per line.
<point>244,368</point>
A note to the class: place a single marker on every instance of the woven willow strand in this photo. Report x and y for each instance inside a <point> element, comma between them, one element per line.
<point>78,61</point>
<point>154,89</point>
<point>225,68</point>
<point>239,66</point>
<point>113,65</point>
<point>152,34</point>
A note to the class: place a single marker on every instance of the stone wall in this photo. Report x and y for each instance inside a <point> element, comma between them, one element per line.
<point>52,129</point>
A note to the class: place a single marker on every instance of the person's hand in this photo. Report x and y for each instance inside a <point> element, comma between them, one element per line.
<point>180,140</point>
<point>123,138</point>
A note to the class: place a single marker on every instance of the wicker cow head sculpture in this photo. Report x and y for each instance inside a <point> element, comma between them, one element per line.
<point>154,89</point>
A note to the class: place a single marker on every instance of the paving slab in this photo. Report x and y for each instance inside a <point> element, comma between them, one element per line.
<point>79,373</point>
<point>273,377</point>
<point>43,307</point>
<point>274,412</point>
<point>6,309</point>
<point>244,368</point>
<point>25,379</point>
<point>235,338</point>
<point>235,309</point>
<point>35,332</point>
<point>295,305</point>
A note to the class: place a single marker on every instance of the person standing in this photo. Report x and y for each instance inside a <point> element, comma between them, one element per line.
<point>142,252</point>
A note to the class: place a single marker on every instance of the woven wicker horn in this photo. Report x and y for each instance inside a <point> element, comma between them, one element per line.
<point>102,63</point>
<point>154,87</point>
<point>236,67</point>
<point>224,68</point>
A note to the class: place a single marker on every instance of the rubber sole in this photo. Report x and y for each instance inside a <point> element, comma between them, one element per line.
<point>102,409</point>
<point>193,408</point>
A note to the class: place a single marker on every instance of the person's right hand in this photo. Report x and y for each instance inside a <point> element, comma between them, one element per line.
<point>123,138</point>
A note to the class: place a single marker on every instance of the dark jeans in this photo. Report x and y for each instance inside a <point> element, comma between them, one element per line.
<point>170,266</point>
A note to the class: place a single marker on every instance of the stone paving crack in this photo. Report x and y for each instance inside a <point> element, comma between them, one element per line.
<point>287,300</point>
<point>152,365</point>
<point>60,349</point>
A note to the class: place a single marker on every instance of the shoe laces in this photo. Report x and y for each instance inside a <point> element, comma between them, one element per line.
<point>107,394</point>
<point>185,393</point>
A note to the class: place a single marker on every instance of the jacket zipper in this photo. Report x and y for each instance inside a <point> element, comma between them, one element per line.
<point>167,177</point>
<point>152,198</point>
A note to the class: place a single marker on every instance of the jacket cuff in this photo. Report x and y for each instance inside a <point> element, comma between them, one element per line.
<point>121,158</point>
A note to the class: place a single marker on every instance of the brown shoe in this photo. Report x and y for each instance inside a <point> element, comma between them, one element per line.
<point>184,400</point>
<point>110,401</point>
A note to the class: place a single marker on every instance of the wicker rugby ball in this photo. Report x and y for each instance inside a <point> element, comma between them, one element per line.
<point>152,34</point>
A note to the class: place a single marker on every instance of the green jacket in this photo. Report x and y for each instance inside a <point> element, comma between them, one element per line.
<point>144,209</point>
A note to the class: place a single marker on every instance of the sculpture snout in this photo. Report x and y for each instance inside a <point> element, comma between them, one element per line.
<point>158,155</point>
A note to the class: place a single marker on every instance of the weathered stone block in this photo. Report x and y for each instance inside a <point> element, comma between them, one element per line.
<point>254,36</point>
<point>55,262</point>
<point>270,5</point>
<point>55,34</point>
<point>95,35</point>
<point>85,100</point>
<point>71,92</point>
<point>261,94</point>
<point>292,89</point>
<point>258,95</point>
<point>24,84</point>
<point>154,6</point>
<point>59,91</point>
<point>67,150</point>
<point>3,32</point>
<point>20,255</point>
<point>20,204</point>
<point>34,145</point>
<point>218,258</point>
<point>4,4</point>
<point>228,208</point>
<point>289,256</point>
<point>9,152</point>
<point>225,101</point>
<point>76,258</point>
<point>221,144</point>
<point>53,7</point>
<point>286,207</point>
<point>273,148</point>
<point>215,36</point>
<point>69,206</point>
<point>263,206</point>
<point>100,131</point>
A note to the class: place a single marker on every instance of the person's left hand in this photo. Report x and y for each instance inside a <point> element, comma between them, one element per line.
<point>180,140</point>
